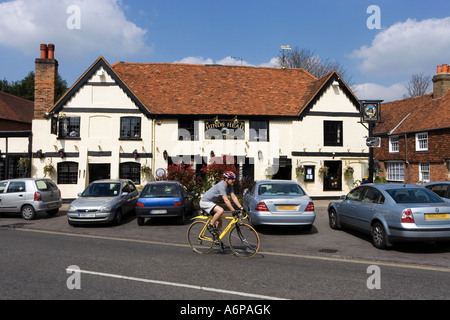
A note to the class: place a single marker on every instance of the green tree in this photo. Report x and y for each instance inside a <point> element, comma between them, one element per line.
<point>25,87</point>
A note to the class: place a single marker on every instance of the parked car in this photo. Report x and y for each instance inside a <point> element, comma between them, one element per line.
<point>278,202</point>
<point>441,188</point>
<point>164,199</point>
<point>29,196</point>
<point>392,212</point>
<point>103,201</point>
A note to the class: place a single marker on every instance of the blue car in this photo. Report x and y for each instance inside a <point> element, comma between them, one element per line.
<point>164,199</point>
<point>392,212</point>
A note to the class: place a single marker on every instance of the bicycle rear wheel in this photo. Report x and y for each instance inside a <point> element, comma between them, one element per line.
<point>244,240</point>
<point>200,243</point>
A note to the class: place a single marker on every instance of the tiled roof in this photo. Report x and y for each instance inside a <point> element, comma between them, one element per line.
<point>414,115</point>
<point>15,108</point>
<point>217,89</point>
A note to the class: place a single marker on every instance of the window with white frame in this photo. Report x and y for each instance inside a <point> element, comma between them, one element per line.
<point>424,172</point>
<point>393,144</point>
<point>422,141</point>
<point>395,171</point>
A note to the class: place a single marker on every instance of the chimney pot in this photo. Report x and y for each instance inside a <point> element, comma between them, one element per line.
<point>441,81</point>
<point>51,51</point>
<point>44,51</point>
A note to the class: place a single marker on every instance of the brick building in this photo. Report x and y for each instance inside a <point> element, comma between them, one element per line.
<point>415,135</point>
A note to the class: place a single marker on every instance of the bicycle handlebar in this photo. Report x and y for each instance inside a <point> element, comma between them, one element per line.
<point>237,212</point>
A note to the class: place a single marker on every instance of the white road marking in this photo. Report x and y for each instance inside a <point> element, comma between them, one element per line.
<point>175,284</point>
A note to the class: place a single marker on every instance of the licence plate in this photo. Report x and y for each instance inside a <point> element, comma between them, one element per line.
<point>52,205</point>
<point>86,215</point>
<point>437,216</point>
<point>287,208</point>
<point>158,211</point>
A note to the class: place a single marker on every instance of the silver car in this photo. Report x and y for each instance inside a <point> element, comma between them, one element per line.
<point>392,212</point>
<point>103,201</point>
<point>279,202</point>
<point>29,196</point>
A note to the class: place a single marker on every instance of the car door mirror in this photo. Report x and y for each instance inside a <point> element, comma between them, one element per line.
<point>245,192</point>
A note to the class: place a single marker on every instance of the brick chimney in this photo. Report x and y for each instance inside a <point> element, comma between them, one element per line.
<point>45,81</point>
<point>441,81</point>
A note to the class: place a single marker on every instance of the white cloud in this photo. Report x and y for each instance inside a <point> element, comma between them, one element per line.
<point>273,63</point>
<point>232,61</point>
<point>103,27</point>
<point>406,48</point>
<point>229,61</point>
<point>373,91</point>
<point>195,60</point>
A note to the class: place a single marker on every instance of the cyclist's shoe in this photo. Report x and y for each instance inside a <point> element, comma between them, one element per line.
<point>220,246</point>
<point>213,231</point>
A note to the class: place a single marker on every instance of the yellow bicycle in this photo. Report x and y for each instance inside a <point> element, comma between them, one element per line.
<point>243,239</point>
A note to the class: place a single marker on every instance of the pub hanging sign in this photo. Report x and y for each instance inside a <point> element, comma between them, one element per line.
<point>370,111</point>
<point>224,129</point>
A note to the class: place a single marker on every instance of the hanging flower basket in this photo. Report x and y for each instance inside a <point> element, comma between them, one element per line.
<point>300,171</point>
<point>146,171</point>
<point>48,169</point>
<point>349,171</point>
<point>323,171</point>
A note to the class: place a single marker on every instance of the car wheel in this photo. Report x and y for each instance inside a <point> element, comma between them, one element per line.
<point>333,219</point>
<point>117,217</point>
<point>379,236</point>
<point>28,212</point>
<point>182,218</point>
<point>140,221</point>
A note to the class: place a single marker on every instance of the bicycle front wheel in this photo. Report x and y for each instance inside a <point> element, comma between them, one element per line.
<point>244,240</point>
<point>199,238</point>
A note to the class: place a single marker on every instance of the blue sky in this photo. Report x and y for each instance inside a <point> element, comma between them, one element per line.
<point>414,36</point>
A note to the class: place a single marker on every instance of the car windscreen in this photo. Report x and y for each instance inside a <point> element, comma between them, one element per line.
<point>159,191</point>
<point>102,189</point>
<point>280,190</point>
<point>413,195</point>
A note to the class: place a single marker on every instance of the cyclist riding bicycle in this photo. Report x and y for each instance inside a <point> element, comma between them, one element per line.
<point>209,201</point>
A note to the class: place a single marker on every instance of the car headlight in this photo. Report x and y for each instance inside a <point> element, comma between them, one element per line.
<point>106,208</point>
<point>71,208</point>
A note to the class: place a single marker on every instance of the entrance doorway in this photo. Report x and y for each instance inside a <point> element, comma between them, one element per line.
<point>333,181</point>
<point>99,171</point>
<point>284,171</point>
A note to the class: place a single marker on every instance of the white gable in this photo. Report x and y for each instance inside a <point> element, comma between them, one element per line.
<point>334,100</point>
<point>100,91</point>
